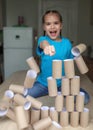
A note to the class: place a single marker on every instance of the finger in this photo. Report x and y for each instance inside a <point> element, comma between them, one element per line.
<point>52,48</point>
<point>46,50</point>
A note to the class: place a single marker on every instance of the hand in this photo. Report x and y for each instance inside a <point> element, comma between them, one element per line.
<point>49,50</point>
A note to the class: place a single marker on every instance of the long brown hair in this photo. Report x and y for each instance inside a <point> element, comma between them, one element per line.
<point>53,12</point>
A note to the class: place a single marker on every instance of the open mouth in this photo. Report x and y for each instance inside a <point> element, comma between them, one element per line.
<point>53,33</point>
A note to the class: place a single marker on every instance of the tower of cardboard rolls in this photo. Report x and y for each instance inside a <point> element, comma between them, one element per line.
<point>68,108</point>
<point>70,101</point>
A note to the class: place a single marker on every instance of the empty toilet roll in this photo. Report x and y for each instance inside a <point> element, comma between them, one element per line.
<point>81,64</point>
<point>4,105</point>
<point>42,124</point>
<point>21,117</point>
<point>78,49</point>
<point>11,114</point>
<point>44,111</point>
<point>8,98</point>
<point>64,118</point>
<point>55,126</point>
<point>35,115</point>
<point>34,102</point>
<point>33,64</point>
<point>65,86</point>
<point>75,85</point>
<point>28,115</point>
<point>18,89</point>
<point>52,86</point>
<point>53,114</point>
<point>59,102</point>
<point>70,103</point>
<point>69,68</point>
<point>30,78</point>
<point>80,102</point>
<point>84,117</point>
<point>57,69</point>
<point>23,101</point>
<point>74,119</point>
<point>3,111</point>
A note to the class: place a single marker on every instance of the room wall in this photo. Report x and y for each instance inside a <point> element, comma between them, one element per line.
<point>85,28</point>
<point>26,8</point>
<point>29,9</point>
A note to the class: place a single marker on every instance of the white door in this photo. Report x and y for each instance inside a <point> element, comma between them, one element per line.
<point>68,10</point>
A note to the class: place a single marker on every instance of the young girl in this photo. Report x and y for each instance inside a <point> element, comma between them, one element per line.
<point>50,46</point>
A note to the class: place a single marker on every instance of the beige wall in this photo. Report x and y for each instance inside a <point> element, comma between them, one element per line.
<point>29,9</point>
<point>26,8</point>
<point>85,29</point>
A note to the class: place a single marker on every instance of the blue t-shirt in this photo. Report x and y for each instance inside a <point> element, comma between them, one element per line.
<point>62,52</point>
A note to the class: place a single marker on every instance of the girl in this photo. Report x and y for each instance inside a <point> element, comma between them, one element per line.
<point>50,46</point>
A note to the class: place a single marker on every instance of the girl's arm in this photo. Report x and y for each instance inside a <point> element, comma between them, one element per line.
<point>47,48</point>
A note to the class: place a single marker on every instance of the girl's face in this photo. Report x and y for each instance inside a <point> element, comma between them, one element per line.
<point>52,26</point>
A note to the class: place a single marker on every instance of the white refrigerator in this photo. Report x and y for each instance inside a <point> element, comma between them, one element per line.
<point>18,46</point>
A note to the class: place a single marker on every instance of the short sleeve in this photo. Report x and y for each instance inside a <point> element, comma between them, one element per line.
<point>70,48</point>
<point>39,50</point>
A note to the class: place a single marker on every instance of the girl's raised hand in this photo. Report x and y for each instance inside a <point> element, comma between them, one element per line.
<point>49,50</point>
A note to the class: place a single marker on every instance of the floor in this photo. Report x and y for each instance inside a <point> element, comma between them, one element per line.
<point>18,78</point>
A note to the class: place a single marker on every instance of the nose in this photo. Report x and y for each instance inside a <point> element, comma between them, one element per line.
<point>52,26</point>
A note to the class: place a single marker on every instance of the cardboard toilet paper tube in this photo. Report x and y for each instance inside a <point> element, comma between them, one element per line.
<point>4,104</point>
<point>59,102</point>
<point>29,127</point>
<point>21,117</point>
<point>8,95</point>
<point>57,69</point>
<point>44,111</point>
<point>70,103</point>
<point>42,124</point>
<point>80,102</point>
<point>35,115</point>
<point>77,50</point>
<point>69,68</point>
<point>84,117</point>
<point>33,64</point>
<point>52,86</point>
<point>20,100</point>
<point>74,119</point>
<point>11,114</point>
<point>65,86</point>
<point>55,126</point>
<point>30,78</point>
<point>81,64</point>
<point>3,111</point>
<point>34,102</point>
<point>53,114</point>
<point>18,89</point>
<point>28,115</point>
<point>75,85</point>
<point>64,118</point>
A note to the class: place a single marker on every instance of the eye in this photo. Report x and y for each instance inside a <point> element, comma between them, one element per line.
<point>47,23</point>
<point>56,23</point>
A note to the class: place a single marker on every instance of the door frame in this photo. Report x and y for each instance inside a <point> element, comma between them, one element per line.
<point>40,12</point>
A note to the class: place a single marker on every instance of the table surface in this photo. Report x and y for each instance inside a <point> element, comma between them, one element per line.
<point>18,78</point>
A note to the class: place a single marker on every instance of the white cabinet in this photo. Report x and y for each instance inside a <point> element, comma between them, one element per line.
<point>18,46</point>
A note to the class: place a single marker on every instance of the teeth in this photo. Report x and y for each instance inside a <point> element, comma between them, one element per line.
<point>53,32</point>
